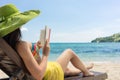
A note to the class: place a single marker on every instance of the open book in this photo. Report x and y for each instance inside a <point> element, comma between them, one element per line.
<point>45,35</point>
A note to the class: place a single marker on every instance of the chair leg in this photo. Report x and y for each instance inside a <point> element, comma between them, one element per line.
<point>5,79</point>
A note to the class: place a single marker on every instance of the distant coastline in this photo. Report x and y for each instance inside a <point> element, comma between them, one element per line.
<point>112,38</point>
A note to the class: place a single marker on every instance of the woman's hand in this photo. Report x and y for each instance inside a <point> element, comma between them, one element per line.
<point>39,44</point>
<point>46,48</point>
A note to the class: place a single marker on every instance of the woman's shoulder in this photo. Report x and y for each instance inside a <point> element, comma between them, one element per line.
<point>24,45</point>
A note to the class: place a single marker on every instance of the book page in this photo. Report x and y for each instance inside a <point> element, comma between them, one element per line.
<point>45,35</point>
<point>42,37</point>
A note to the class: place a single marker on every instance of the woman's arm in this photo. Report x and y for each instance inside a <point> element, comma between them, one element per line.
<point>36,70</point>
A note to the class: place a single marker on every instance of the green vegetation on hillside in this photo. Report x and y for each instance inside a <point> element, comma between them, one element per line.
<point>113,38</point>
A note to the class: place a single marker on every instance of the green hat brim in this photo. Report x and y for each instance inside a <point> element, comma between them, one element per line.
<point>16,21</point>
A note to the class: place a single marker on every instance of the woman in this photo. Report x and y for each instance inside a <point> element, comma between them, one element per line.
<point>39,67</point>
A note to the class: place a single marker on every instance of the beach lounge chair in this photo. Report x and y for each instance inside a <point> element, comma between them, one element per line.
<point>13,66</point>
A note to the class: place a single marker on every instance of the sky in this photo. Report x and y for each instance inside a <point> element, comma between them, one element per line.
<point>70,20</point>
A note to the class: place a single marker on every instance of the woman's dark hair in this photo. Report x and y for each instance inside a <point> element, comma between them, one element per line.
<point>13,38</point>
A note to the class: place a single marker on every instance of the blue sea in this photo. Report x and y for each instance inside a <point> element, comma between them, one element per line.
<point>88,52</point>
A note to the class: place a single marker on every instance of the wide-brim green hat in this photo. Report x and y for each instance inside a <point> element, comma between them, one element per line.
<point>11,18</point>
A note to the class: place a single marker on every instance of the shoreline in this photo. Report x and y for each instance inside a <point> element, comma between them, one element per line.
<point>111,68</point>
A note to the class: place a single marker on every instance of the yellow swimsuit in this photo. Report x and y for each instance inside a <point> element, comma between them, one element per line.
<point>53,70</point>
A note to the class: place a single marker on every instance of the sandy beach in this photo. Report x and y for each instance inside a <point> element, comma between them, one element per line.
<point>112,69</point>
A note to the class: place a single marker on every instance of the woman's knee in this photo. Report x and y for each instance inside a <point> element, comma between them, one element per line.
<point>69,51</point>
